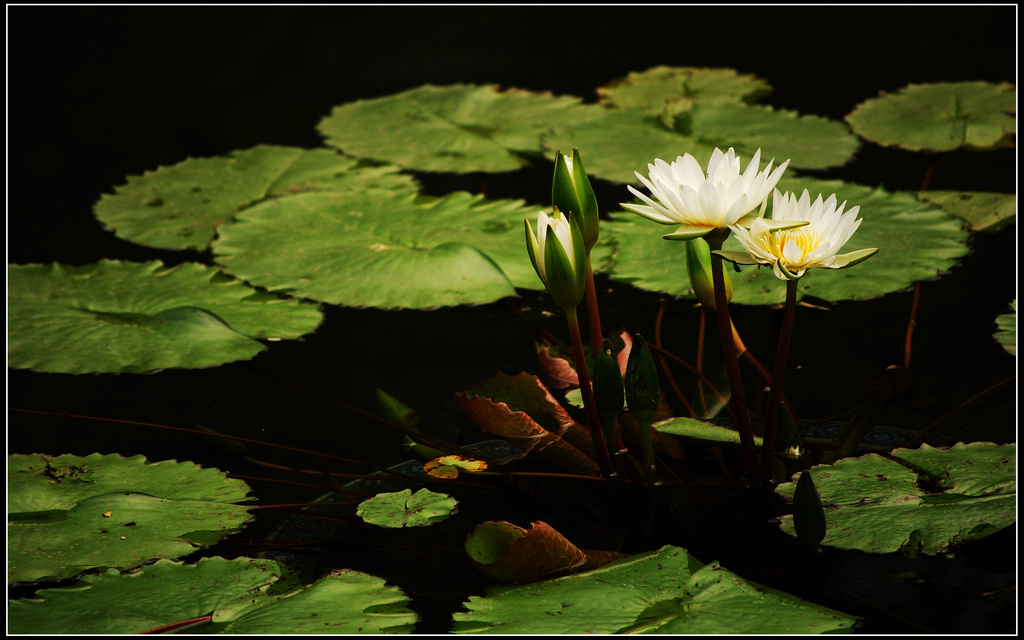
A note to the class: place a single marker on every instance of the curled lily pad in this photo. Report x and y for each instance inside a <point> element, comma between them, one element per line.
<point>123,317</point>
<point>940,117</point>
<point>520,410</point>
<point>406,509</point>
<point>183,206</point>
<point>924,500</point>
<point>68,514</point>
<point>458,128</point>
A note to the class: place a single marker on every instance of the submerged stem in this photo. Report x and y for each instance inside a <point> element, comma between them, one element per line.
<point>778,374</point>
<point>589,404</point>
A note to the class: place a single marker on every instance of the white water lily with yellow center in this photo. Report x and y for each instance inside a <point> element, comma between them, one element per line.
<point>791,252</point>
<point>683,194</point>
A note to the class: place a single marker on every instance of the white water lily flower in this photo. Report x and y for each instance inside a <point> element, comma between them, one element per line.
<point>791,252</point>
<point>559,257</point>
<point>684,195</point>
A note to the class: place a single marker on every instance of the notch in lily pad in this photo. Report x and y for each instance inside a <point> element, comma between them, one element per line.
<point>407,509</point>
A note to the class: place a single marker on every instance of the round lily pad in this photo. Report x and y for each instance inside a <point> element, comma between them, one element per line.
<point>940,117</point>
<point>655,87</point>
<point>983,211</point>
<point>924,500</point>
<point>122,317</point>
<point>182,206</point>
<point>68,514</point>
<point>375,249</point>
<point>406,509</point>
<point>916,241</point>
<point>623,141</point>
<point>457,128</point>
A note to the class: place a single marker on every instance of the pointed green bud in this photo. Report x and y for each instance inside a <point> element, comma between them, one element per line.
<point>557,253</point>
<point>808,513</point>
<point>641,381</point>
<point>698,263</point>
<point>571,192</point>
<point>608,392</point>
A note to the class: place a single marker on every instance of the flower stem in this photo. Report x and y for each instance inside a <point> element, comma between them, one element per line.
<point>604,461</point>
<point>778,374</point>
<point>732,365</point>
<point>593,317</point>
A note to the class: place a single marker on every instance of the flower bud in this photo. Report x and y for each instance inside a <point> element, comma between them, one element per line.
<point>572,193</point>
<point>557,253</point>
<point>698,263</point>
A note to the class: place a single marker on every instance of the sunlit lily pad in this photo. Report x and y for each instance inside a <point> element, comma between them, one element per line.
<point>702,432</point>
<point>241,596</point>
<point>1007,334</point>
<point>982,211</point>
<point>923,500</point>
<point>457,128</point>
<point>940,117</point>
<point>916,241</point>
<point>626,140</point>
<point>68,514</point>
<point>406,509</point>
<point>664,591</point>
<point>182,206</point>
<point>377,250</point>
<point>123,317</point>
<point>654,88</point>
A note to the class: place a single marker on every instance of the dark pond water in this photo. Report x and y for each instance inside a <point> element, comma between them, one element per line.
<point>99,93</point>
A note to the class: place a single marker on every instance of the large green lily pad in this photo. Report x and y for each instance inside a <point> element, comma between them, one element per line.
<point>124,317</point>
<point>240,596</point>
<point>661,87</point>
<point>916,241</point>
<point>68,514</point>
<point>940,117</point>
<point>457,128</point>
<point>377,250</point>
<point>664,591</point>
<point>623,141</point>
<point>922,500</point>
<point>183,206</point>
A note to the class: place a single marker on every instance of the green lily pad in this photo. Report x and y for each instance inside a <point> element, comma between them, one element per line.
<point>1007,334</point>
<point>68,514</point>
<point>407,509</point>
<point>243,595</point>
<point>699,431</point>
<point>923,500</point>
<point>940,117</point>
<point>182,206</point>
<point>123,317</point>
<point>626,140</point>
<point>916,241</point>
<point>654,88</point>
<point>664,591</point>
<point>377,250</point>
<point>983,211</point>
<point>458,128</point>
